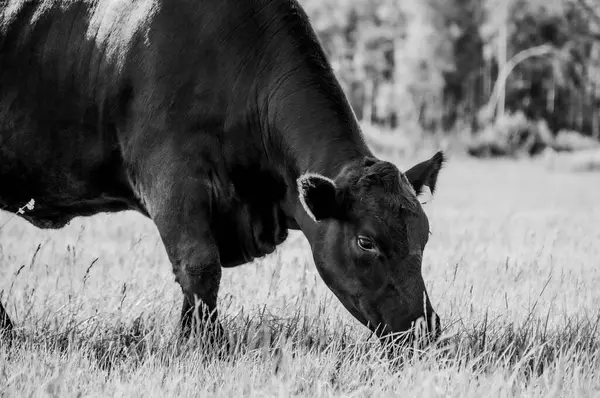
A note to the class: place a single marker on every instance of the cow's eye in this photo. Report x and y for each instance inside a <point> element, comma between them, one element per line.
<point>365,243</point>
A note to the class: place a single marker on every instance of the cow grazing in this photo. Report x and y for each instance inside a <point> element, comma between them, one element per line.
<point>222,121</point>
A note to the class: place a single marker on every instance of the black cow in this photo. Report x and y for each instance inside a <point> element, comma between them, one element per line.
<point>222,121</point>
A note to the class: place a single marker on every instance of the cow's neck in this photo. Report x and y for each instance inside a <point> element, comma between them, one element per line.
<point>310,124</point>
<point>316,125</point>
<point>318,132</point>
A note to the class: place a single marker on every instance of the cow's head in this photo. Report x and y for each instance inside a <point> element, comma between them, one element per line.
<point>369,239</point>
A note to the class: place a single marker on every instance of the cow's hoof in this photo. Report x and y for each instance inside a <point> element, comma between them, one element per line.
<point>211,336</point>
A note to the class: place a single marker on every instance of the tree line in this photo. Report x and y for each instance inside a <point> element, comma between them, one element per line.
<point>449,65</point>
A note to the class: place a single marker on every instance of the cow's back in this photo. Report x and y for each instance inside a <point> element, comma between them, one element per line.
<point>62,65</point>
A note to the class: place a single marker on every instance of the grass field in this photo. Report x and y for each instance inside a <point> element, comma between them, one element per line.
<point>512,267</point>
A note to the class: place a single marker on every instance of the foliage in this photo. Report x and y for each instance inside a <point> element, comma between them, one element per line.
<point>436,62</point>
<point>512,134</point>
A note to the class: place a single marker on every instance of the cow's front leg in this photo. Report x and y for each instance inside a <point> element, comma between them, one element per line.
<point>198,272</point>
<point>195,259</point>
<point>179,202</point>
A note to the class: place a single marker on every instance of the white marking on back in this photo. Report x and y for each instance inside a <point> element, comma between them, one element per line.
<point>115,23</point>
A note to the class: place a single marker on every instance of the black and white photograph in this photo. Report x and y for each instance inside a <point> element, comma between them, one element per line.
<point>311,198</point>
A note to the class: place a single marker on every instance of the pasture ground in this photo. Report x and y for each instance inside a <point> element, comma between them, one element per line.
<point>512,267</point>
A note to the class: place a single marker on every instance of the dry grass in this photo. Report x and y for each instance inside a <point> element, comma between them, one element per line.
<point>512,268</point>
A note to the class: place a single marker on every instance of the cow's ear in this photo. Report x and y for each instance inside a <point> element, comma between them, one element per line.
<point>318,195</point>
<point>426,173</point>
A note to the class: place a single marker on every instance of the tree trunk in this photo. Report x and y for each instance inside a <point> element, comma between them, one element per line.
<point>367,113</point>
<point>500,84</point>
<point>502,45</point>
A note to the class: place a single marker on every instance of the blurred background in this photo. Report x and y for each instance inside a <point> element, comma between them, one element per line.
<point>487,77</point>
